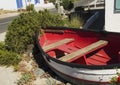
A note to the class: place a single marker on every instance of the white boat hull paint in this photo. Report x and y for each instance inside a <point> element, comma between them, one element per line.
<point>99,76</point>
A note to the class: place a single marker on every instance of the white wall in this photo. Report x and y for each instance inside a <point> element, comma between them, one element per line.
<point>12,5</point>
<point>112,20</point>
<point>8,4</point>
<point>41,1</point>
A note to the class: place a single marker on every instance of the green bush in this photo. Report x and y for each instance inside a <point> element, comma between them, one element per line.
<point>9,58</point>
<point>26,78</point>
<point>67,4</point>
<point>48,19</point>
<point>21,32</point>
<point>2,46</point>
<point>30,7</point>
<point>53,1</point>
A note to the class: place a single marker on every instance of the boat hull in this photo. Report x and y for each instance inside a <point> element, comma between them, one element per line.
<point>81,75</point>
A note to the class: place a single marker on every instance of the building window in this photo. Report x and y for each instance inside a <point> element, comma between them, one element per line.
<point>37,1</point>
<point>28,0</point>
<point>117,5</point>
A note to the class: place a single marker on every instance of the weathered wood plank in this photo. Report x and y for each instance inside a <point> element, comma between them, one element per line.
<point>58,43</point>
<point>85,50</point>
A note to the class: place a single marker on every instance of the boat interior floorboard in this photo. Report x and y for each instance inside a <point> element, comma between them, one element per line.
<point>83,51</point>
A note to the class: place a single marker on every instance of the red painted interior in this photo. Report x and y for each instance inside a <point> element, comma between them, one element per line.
<point>106,55</point>
<point>119,56</point>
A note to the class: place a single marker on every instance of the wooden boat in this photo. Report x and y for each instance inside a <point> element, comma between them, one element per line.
<point>79,55</point>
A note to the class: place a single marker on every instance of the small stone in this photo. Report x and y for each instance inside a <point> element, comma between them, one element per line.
<point>52,81</point>
<point>68,84</point>
<point>43,81</point>
<point>25,55</point>
<point>30,54</point>
<point>59,82</point>
<point>39,72</point>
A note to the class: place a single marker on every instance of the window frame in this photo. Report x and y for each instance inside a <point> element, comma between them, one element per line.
<point>115,8</point>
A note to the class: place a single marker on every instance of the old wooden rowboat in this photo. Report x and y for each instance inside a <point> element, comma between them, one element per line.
<point>79,55</point>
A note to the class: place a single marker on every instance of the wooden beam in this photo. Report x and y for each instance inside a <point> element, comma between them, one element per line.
<point>81,52</point>
<point>58,43</point>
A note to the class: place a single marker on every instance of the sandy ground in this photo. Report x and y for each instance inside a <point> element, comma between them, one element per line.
<point>2,36</point>
<point>8,76</point>
<point>8,15</point>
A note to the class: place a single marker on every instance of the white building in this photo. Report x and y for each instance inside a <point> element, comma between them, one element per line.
<point>21,4</point>
<point>112,15</point>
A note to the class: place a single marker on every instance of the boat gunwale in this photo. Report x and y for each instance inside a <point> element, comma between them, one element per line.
<point>76,29</point>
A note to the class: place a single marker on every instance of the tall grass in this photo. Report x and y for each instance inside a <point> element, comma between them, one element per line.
<point>75,22</point>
